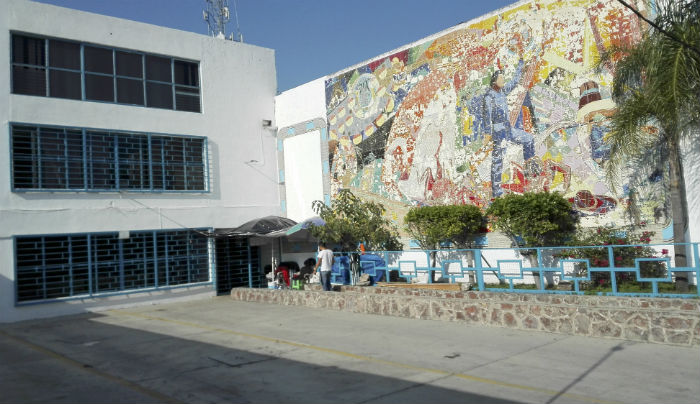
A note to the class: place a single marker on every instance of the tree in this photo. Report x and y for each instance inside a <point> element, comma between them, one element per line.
<point>351,221</point>
<point>656,86</point>
<point>432,225</point>
<point>534,220</point>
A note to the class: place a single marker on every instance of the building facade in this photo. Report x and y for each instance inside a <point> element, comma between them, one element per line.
<point>509,102</point>
<point>125,144</point>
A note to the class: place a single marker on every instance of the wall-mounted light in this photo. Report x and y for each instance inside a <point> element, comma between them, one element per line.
<point>266,123</point>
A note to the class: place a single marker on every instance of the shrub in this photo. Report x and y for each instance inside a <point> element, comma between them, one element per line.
<point>534,219</point>
<point>626,246</point>
<point>431,225</point>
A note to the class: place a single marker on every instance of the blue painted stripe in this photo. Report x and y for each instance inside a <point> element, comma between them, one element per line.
<point>310,125</point>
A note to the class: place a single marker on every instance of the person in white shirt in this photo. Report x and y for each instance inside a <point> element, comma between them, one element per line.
<point>325,261</point>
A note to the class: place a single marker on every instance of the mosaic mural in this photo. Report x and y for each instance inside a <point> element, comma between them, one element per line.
<point>507,104</point>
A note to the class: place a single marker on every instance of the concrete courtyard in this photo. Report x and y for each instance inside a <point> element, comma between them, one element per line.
<point>218,350</point>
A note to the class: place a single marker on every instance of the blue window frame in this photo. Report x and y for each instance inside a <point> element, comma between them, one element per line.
<point>66,69</point>
<point>50,267</point>
<point>47,158</point>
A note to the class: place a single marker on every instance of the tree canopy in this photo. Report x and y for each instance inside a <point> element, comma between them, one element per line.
<point>534,219</point>
<point>350,221</point>
<point>656,86</point>
<point>431,225</point>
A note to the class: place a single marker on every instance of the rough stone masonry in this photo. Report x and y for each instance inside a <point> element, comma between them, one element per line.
<point>656,320</point>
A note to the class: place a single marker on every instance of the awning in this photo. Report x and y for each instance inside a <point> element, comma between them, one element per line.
<point>260,227</point>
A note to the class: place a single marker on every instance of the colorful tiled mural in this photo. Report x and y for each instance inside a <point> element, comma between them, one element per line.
<point>510,103</point>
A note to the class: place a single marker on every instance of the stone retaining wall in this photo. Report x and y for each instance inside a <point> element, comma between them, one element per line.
<point>657,320</point>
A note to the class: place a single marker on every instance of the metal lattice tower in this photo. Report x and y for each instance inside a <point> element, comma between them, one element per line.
<point>217,15</point>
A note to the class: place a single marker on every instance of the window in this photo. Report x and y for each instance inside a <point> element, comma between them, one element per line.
<point>64,69</point>
<point>99,74</point>
<point>186,86</point>
<point>159,82</point>
<point>92,264</point>
<point>129,78</point>
<point>28,65</point>
<point>54,158</point>
<point>47,159</point>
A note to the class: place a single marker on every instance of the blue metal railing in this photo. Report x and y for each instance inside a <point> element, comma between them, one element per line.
<point>615,270</point>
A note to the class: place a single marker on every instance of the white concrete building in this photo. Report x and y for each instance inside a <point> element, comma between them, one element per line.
<point>119,136</point>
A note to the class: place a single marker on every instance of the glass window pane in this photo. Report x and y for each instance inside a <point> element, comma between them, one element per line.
<point>28,80</point>
<point>129,64</point>
<point>129,91</point>
<point>64,54</point>
<point>158,68</point>
<point>65,84</point>
<point>159,95</point>
<point>28,50</point>
<point>187,102</point>
<point>99,88</point>
<point>186,73</point>
<point>98,60</point>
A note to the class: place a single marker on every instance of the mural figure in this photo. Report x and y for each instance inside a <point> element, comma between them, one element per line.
<point>496,124</point>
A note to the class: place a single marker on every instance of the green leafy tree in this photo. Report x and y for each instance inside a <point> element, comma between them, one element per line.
<point>351,221</point>
<point>432,225</point>
<point>656,87</point>
<point>534,220</point>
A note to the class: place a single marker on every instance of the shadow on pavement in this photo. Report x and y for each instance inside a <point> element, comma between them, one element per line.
<point>79,359</point>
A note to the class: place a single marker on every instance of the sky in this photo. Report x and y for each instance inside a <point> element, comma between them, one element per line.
<point>311,38</point>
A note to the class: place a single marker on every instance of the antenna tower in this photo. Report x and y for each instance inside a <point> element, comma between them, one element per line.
<point>217,14</point>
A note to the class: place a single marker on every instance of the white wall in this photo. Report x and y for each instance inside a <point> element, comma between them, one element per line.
<point>303,150</point>
<point>302,166</point>
<point>300,104</point>
<point>691,165</point>
<point>238,87</point>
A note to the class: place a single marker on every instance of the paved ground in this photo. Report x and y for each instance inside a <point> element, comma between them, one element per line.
<point>219,350</point>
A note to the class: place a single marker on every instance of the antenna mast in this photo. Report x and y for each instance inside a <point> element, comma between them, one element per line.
<point>216,14</point>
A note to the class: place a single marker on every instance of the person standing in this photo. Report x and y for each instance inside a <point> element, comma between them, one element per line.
<point>325,261</point>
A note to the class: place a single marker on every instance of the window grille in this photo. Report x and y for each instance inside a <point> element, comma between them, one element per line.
<point>232,259</point>
<point>57,158</point>
<point>74,70</point>
<point>82,265</point>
